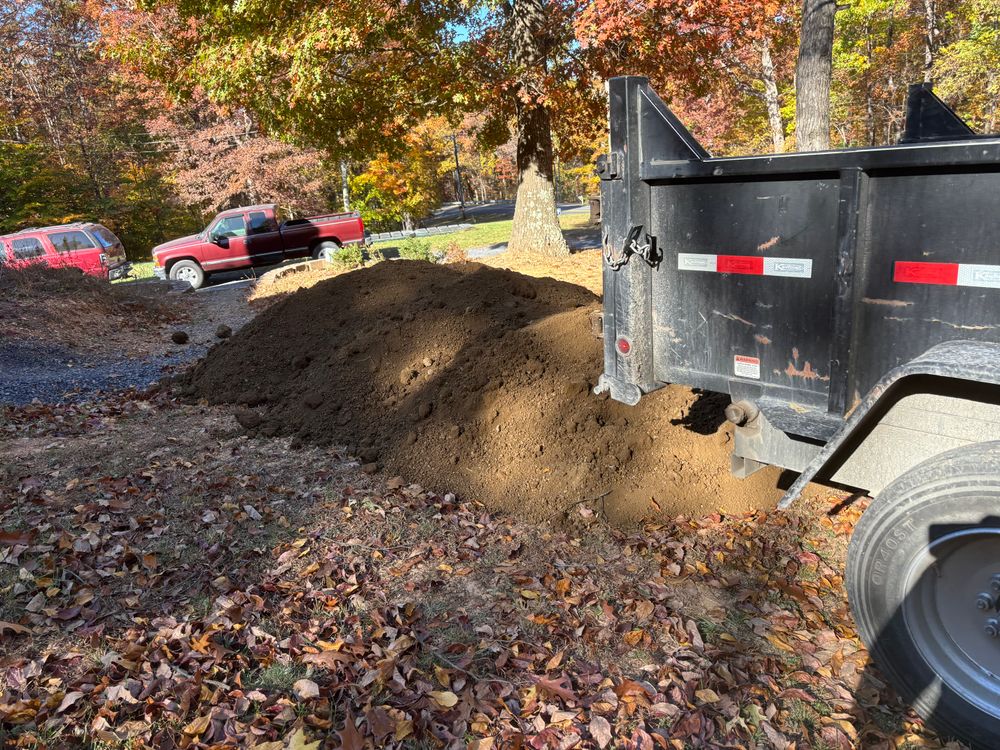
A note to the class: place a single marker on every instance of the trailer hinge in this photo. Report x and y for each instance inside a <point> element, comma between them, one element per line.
<point>609,166</point>
<point>636,243</point>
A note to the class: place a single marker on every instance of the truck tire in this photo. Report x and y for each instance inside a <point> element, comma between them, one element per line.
<point>189,271</point>
<point>326,249</point>
<point>923,580</point>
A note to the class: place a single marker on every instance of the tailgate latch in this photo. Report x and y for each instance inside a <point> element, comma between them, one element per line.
<point>636,243</point>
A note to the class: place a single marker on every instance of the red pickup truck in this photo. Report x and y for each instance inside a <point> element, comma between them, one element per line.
<point>253,236</point>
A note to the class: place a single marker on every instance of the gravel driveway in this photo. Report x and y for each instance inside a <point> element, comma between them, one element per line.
<point>54,373</point>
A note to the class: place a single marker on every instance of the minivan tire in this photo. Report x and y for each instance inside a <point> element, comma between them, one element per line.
<point>923,581</point>
<point>189,271</point>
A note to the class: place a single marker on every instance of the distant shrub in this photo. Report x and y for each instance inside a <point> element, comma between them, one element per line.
<point>455,253</point>
<point>414,249</point>
<point>348,257</point>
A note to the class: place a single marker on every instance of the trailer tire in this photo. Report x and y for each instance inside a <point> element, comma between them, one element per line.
<point>189,271</point>
<point>923,580</point>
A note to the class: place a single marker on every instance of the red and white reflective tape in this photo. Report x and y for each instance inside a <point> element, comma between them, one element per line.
<point>947,274</point>
<point>748,265</point>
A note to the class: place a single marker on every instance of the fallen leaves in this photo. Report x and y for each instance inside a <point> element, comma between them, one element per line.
<point>224,593</point>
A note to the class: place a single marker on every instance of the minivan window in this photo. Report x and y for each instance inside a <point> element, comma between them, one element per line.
<point>104,236</point>
<point>29,247</point>
<point>66,242</point>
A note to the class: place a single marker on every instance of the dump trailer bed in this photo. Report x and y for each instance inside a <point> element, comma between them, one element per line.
<point>849,302</point>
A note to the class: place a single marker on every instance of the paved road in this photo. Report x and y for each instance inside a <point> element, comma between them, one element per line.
<point>450,213</point>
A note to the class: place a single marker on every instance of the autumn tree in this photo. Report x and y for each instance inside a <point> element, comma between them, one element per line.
<point>219,159</point>
<point>71,129</point>
<point>966,64</point>
<point>327,75</point>
<point>535,222</point>
<point>723,66</point>
<point>402,188</point>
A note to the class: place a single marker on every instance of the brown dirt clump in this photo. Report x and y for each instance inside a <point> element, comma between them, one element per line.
<point>475,380</point>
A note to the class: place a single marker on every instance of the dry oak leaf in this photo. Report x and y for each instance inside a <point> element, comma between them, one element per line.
<point>600,730</point>
<point>13,628</point>
<point>199,725</point>
<point>305,689</point>
<point>444,698</point>
<point>327,659</point>
<point>706,696</point>
<point>12,538</point>
<point>68,700</point>
<point>297,741</point>
<point>555,687</point>
<point>350,737</point>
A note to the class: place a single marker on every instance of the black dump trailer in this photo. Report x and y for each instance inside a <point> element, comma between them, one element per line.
<point>849,303</point>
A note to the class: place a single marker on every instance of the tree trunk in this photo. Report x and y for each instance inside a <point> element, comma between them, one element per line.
<point>536,225</point>
<point>813,74</point>
<point>345,194</point>
<point>930,38</point>
<point>771,97</point>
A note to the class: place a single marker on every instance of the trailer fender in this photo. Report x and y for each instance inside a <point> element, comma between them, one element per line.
<point>969,361</point>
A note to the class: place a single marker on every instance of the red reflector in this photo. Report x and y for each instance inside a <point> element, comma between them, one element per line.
<point>745,264</point>
<point>908,272</point>
<point>624,346</point>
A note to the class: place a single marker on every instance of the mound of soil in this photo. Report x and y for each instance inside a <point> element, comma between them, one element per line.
<point>475,380</point>
<point>68,307</point>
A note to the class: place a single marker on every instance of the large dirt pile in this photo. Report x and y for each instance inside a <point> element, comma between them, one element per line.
<point>475,380</point>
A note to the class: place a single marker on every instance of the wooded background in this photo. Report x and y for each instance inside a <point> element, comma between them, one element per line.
<point>148,116</point>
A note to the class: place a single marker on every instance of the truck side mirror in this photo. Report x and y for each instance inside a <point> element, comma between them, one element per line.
<point>222,241</point>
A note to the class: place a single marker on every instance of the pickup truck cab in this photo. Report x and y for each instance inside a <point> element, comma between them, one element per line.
<point>253,236</point>
<point>92,248</point>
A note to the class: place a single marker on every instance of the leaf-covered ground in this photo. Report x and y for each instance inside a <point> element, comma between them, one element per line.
<point>167,582</point>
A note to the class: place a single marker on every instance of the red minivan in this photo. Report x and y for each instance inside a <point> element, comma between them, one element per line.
<point>92,248</point>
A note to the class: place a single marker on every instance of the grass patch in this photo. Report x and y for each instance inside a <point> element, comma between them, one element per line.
<point>276,677</point>
<point>487,234</point>
<point>140,270</point>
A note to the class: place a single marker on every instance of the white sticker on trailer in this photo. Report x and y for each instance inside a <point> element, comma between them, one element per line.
<point>696,262</point>
<point>795,268</point>
<point>746,367</point>
<point>971,274</point>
